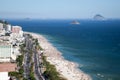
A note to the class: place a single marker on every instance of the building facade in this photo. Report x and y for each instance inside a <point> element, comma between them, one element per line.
<point>17,32</point>
<point>8,27</point>
<point>5,53</point>
<point>16,29</point>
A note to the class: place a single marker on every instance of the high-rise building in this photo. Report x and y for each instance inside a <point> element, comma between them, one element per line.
<point>17,32</point>
<point>16,29</point>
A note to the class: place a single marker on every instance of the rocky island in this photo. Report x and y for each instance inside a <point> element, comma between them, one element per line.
<point>98,17</point>
<point>75,22</point>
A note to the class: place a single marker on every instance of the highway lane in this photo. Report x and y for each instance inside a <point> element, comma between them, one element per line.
<point>27,64</point>
<point>37,68</point>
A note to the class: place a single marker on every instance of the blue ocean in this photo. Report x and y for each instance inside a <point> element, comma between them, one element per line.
<point>94,45</point>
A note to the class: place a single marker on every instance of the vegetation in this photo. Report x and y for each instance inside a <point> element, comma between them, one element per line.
<point>13,74</point>
<point>30,36</point>
<point>22,48</point>
<point>25,79</point>
<point>18,75</point>
<point>19,60</point>
<point>32,76</point>
<point>21,71</point>
<point>37,46</point>
<point>51,72</point>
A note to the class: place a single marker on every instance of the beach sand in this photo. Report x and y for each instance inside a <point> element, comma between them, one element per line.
<point>66,68</point>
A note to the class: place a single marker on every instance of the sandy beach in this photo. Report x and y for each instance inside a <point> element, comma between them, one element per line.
<point>66,68</point>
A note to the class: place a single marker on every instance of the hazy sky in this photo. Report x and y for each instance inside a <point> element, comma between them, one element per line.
<point>59,8</point>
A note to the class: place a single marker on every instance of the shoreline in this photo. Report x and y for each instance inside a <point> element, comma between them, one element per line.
<point>67,69</point>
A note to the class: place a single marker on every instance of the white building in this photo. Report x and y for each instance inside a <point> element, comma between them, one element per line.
<point>8,27</point>
<point>6,52</point>
<point>4,76</point>
<point>2,32</point>
<point>16,51</point>
<point>1,26</point>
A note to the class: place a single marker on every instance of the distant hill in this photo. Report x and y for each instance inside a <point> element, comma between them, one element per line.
<point>27,18</point>
<point>98,17</point>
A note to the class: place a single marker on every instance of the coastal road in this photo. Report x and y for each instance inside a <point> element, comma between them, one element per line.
<point>25,58</point>
<point>36,64</point>
<point>27,63</point>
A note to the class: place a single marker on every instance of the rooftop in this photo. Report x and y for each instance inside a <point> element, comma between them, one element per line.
<point>7,67</point>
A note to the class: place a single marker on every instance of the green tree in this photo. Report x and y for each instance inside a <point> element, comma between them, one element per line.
<point>51,72</point>
<point>19,60</point>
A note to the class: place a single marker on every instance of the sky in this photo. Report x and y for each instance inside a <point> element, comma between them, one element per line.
<point>59,9</point>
